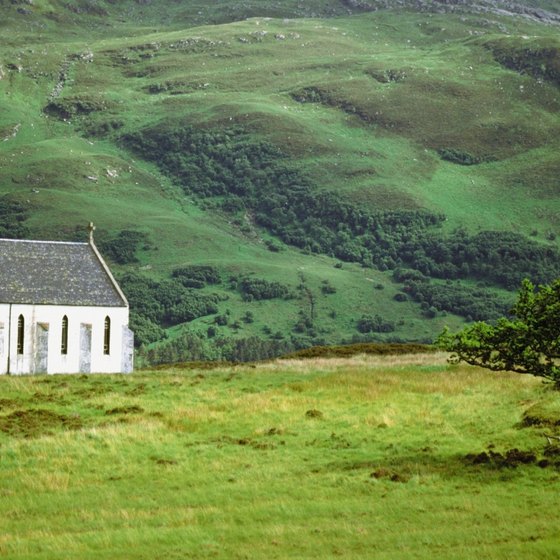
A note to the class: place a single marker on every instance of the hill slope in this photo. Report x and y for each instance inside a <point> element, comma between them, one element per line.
<point>417,146</point>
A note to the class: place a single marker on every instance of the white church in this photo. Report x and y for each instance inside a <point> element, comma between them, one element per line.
<point>61,310</point>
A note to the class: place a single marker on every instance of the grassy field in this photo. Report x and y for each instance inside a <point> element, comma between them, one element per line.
<point>363,457</point>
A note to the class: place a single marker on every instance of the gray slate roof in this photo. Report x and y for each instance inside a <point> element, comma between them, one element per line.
<point>56,273</point>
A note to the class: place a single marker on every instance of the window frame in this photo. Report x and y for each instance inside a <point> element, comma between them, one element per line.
<point>20,334</point>
<point>107,336</point>
<point>64,336</point>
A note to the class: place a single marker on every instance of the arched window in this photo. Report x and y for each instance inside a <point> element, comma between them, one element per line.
<point>107,336</point>
<point>20,334</point>
<point>64,341</point>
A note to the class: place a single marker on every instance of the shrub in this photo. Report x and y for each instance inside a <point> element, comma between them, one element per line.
<point>221,320</point>
<point>462,158</point>
<point>197,276</point>
<point>258,288</point>
<point>145,331</point>
<point>122,248</point>
<point>327,288</point>
<point>248,317</point>
<point>374,323</point>
<point>12,216</point>
<point>165,303</point>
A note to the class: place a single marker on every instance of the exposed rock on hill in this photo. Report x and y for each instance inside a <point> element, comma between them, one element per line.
<point>442,6</point>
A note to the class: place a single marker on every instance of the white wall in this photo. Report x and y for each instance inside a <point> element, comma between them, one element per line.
<point>51,317</point>
<point>4,326</point>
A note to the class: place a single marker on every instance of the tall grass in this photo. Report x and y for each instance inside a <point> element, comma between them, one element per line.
<point>364,457</point>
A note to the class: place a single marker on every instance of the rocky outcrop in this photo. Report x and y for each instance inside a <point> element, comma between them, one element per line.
<point>506,8</point>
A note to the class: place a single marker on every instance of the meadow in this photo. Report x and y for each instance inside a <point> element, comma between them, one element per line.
<point>378,457</point>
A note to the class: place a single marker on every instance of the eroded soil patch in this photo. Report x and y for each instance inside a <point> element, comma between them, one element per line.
<point>133,409</point>
<point>37,422</point>
<point>389,474</point>
<point>513,458</point>
<point>8,403</point>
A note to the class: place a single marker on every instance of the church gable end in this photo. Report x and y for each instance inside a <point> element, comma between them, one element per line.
<point>61,310</point>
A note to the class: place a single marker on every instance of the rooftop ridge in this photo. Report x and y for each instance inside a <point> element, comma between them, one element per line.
<point>106,269</point>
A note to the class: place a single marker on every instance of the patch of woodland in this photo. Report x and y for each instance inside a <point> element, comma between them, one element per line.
<point>121,248</point>
<point>375,323</point>
<point>197,276</point>
<point>473,302</point>
<point>12,217</point>
<point>155,304</point>
<point>235,172</point>
<point>255,289</point>
<point>193,347</point>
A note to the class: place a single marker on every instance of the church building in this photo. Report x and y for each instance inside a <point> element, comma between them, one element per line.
<point>61,310</point>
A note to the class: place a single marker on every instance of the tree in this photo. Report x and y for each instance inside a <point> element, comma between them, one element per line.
<point>529,342</point>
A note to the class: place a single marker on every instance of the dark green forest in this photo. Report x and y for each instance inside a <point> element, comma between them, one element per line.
<point>233,172</point>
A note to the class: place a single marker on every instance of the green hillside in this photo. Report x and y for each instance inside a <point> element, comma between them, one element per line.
<point>273,175</point>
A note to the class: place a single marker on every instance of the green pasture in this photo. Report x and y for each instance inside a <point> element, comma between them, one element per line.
<point>364,457</point>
